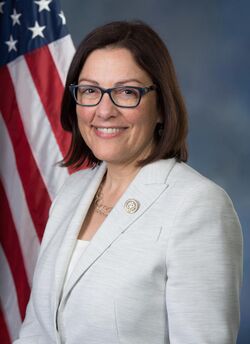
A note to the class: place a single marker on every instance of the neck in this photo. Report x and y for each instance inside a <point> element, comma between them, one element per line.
<point>118,177</point>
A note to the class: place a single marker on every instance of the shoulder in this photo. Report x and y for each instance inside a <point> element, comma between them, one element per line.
<point>182,172</point>
<point>203,214</point>
<point>193,198</point>
<point>78,179</point>
<point>192,184</point>
<point>201,202</point>
<point>75,185</point>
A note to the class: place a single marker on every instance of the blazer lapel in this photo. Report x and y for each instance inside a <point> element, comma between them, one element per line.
<point>145,189</point>
<point>73,228</point>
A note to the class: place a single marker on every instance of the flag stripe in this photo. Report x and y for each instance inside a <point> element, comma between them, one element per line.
<point>5,337</point>
<point>33,70</point>
<point>8,298</point>
<point>26,232</point>
<point>38,61</point>
<point>62,60</point>
<point>37,127</point>
<point>12,250</point>
<point>26,164</point>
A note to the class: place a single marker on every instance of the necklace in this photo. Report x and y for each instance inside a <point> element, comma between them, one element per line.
<point>99,207</point>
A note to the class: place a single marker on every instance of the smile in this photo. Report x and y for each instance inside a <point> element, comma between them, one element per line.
<point>110,130</point>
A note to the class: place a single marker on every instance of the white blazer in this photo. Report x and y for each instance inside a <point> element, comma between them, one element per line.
<point>168,273</point>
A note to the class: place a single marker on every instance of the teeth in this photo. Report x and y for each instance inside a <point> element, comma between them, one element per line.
<point>109,130</point>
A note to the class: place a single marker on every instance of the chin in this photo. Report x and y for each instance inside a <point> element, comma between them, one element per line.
<point>108,157</point>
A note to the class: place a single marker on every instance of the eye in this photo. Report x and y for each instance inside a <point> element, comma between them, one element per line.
<point>90,90</point>
<point>86,90</point>
<point>128,92</point>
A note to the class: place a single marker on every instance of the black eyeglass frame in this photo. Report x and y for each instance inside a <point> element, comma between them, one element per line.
<point>142,92</point>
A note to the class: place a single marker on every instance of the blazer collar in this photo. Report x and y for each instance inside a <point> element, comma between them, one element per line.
<point>145,189</point>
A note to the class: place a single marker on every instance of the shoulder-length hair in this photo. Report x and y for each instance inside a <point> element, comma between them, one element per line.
<point>152,55</point>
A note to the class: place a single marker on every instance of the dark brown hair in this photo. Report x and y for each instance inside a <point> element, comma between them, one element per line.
<point>151,54</point>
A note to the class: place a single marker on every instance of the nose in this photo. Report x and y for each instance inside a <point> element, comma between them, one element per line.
<point>106,108</point>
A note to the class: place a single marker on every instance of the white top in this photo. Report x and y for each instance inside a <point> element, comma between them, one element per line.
<point>80,247</point>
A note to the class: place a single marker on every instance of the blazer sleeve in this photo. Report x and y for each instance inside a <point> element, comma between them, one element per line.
<point>31,330</point>
<point>204,267</point>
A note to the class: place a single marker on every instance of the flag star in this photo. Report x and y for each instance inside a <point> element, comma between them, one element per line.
<point>37,30</point>
<point>11,44</point>
<point>15,17</point>
<point>62,16</point>
<point>1,6</point>
<point>43,5</point>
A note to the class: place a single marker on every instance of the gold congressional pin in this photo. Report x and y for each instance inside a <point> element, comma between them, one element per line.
<point>131,206</point>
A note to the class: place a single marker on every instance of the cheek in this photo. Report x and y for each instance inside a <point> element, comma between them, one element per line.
<point>83,118</point>
<point>148,114</point>
<point>82,121</point>
<point>146,121</point>
<point>84,114</point>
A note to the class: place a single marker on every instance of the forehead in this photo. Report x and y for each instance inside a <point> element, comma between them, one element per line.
<point>112,65</point>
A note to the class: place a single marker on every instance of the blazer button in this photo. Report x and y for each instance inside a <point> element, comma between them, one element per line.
<point>131,206</point>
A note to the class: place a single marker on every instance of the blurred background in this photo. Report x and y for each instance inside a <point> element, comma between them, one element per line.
<point>209,41</point>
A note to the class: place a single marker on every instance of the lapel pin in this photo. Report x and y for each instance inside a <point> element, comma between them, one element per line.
<point>131,206</point>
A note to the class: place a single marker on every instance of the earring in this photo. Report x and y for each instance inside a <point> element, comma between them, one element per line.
<point>159,129</point>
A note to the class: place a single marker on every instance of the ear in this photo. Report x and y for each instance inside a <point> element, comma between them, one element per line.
<point>159,129</point>
<point>159,118</point>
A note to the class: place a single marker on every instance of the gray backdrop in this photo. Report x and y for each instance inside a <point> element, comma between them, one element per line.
<point>209,41</point>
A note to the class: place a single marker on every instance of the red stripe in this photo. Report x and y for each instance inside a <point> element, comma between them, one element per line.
<point>37,196</point>
<point>12,250</point>
<point>4,333</point>
<point>50,89</point>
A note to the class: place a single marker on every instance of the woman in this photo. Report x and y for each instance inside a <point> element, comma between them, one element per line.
<point>140,248</point>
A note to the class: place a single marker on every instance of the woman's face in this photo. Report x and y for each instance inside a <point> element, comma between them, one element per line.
<point>117,135</point>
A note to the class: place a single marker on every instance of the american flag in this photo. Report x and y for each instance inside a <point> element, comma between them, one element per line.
<point>35,53</point>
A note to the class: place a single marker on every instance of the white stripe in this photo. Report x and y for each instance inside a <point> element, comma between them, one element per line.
<point>62,60</point>
<point>37,127</point>
<point>8,298</point>
<point>26,232</point>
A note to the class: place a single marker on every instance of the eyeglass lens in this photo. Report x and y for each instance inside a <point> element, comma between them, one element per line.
<point>121,96</point>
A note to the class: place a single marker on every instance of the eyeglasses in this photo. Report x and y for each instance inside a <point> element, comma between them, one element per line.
<point>122,96</point>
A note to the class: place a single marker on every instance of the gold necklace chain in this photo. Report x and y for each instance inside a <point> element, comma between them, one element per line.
<point>99,207</point>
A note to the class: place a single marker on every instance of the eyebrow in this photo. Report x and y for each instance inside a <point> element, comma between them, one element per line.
<point>119,83</point>
<point>127,80</point>
<point>88,80</point>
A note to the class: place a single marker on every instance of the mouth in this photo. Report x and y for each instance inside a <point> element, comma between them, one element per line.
<point>107,132</point>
